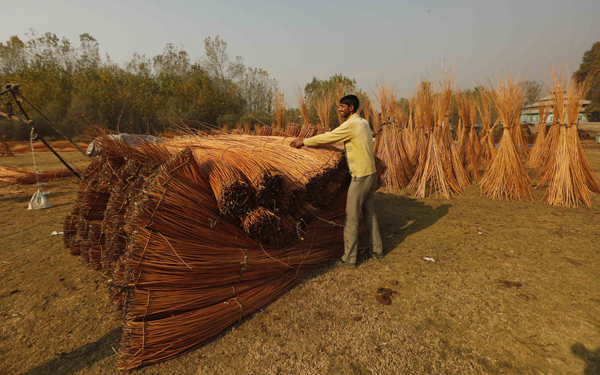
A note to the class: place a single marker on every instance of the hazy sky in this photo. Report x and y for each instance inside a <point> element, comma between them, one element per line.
<point>293,41</point>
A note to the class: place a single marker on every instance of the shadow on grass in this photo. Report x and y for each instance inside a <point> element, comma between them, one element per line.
<point>591,358</point>
<point>17,199</point>
<point>79,359</point>
<point>26,197</point>
<point>401,216</point>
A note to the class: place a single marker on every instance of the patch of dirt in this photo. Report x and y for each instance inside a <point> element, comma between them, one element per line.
<point>385,296</point>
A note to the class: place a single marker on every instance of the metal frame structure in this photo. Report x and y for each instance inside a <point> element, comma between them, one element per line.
<point>12,89</point>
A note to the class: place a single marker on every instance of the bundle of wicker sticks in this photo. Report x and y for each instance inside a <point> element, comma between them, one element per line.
<point>390,146</point>
<point>184,262</point>
<point>439,169</point>
<point>12,176</point>
<point>570,178</point>
<point>487,149</point>
<point>506,177</point>
<point>536,150</point>
<point>473,151</point>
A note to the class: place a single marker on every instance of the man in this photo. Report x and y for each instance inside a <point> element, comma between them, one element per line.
<point>358,144</point>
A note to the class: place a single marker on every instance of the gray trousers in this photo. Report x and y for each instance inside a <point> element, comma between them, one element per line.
<point>361,198</point>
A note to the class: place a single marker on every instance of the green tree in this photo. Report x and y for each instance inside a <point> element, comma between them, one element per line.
<point>219,66</point>
<point>13,57</point>
<point>257,91</point>
<point>590,69</point>
<point>533,91</point>
<point>317,88</point>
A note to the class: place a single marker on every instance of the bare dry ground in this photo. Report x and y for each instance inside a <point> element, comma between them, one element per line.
<point>514,289</point>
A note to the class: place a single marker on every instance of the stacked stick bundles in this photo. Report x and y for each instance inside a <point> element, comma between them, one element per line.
<point>422,155</point>
<point>558,157</point>
<point>183,260</point>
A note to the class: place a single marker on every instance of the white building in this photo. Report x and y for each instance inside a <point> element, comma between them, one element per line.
<point>531,112</point>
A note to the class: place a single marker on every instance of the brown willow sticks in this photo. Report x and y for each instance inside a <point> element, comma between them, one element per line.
<point>390,143</point>
<point>182,270</point>
<point>438,172</point>
<point>536,151</point>
<point>569,185</point>
<point>506,177</point>
<point>547,153</point>
<point>487,137</point>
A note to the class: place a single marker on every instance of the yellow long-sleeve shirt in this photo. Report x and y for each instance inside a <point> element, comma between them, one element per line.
<point>358,143</point>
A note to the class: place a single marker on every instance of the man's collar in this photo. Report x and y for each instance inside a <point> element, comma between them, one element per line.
<point>355,114</point>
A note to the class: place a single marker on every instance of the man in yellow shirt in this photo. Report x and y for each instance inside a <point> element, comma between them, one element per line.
<point>358,143</point>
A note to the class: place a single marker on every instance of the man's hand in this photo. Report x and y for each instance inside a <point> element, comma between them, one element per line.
<point>297,143</point>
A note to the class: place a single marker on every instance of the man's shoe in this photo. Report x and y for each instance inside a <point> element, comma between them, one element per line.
<point>378,255</point>
<point>342,264</point>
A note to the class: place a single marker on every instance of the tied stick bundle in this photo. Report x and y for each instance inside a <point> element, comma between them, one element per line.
<point>102,198</point>
<point>547,154</point>
<point>184,271</point>
<point>520,140</point>
<point>400,118</point>
<point>487,150</point>
<point>450,152</point>
<point>463,116</point>
<point>423,122</point>
<point>436,172</point>
<point>279,102</point>
<point>91,206</point>
<point>281,178</point>
<point>303,108</point>
<point>233,194</point>
<point>272,167</point>
<point>506,177</point>
<point>323,104</point>
<point>468,142</point>
<point>72,219</point>
<point>473,145</point>
<point>459,151</point>
<point>572,179</point>
<point>390,147</point>
<point>12,176</point>
<point>409,132</point>
<point>536,151</point>
<point>387,104</point>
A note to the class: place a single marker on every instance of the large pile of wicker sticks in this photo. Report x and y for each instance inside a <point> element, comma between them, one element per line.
<point>196,234</point>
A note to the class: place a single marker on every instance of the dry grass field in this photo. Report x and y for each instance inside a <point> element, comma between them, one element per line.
<point>514,289</point>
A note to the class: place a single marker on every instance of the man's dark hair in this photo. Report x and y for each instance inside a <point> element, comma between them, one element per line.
<point>350,100</point>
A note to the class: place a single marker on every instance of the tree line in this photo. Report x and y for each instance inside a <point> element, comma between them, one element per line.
<point>77,88</point>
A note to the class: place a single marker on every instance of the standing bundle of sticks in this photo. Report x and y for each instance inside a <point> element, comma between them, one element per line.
<point>506,176</point>
<point>487,149</point>
<point>473,147</point>
<point>182,266</point>
<point>390,146</point>
<point>537,149</point>
<point>439,169</point>
<point>561,162</point>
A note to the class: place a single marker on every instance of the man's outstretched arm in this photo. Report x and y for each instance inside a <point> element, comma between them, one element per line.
<point>340,134</point>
